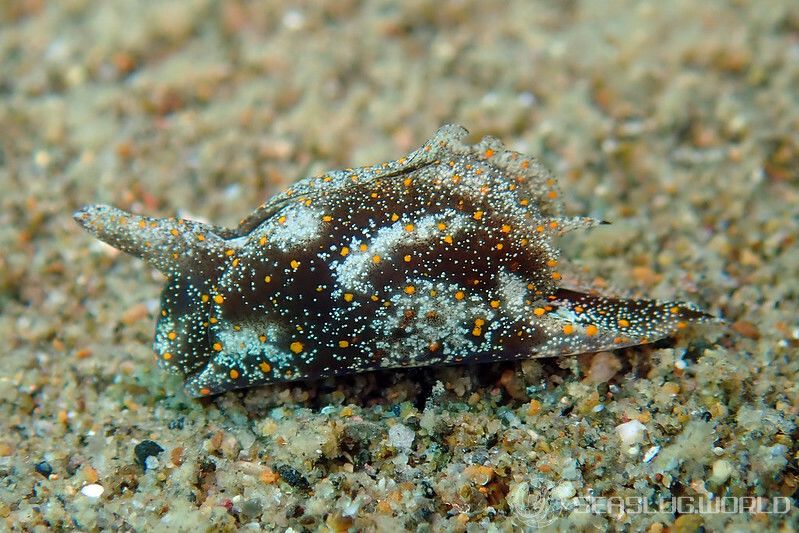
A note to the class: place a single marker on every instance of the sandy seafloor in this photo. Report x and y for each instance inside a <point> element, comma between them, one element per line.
<point>677,121</point>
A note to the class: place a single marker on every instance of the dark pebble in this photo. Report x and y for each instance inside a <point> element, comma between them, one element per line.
<point>145,449</point>
<point>44,468</point>
<point>292,477</point>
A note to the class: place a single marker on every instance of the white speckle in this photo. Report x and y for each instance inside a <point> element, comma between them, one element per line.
<point>718,451</point>
<point>598,408</point>
<point>514,292</point>
<point>352,272</point>
<point>680,364</point>
<point>631,432</point>
<point>401,436</point>
<point>151,463</point>
<point>42,159</point>
<point>651,453</point>
<point>232,192</point>
<point>92,491</point>
<point>351,509</point>
<point>490,99</point>
<point>293,20</point>
<point>527,99</point>
<point>722,470</point>
<point>564,490</point>
<point>301,225</point>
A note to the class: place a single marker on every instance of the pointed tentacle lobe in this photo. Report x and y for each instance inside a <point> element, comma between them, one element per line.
<point>441,257</point>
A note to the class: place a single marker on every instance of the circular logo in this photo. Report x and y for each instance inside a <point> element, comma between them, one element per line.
<point>531,509</point>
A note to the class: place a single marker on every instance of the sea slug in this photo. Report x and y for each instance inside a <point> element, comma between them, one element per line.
<point>444,256</point>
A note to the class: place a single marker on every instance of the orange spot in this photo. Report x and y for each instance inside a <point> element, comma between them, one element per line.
<point>343,344</point>
<point>410,289</point>
<point>407,182</point>
<point>591,330</point>
<point>578,309</point>
<point>262,241</point>
<point>556,275</point>
<point>409,227</point>
<point>213,320</point>
<point>295,264</point>
<point>524,202</point>
<point>568,329</point>
<point>394,217</point>
<point>538,311</point>
<point>505,228</point>
<point>479,322</point>
<point>477,332</point>
<point>167,356</point>
<point>552,194</point>
<point>624,323</point>
<point>448,239</point>
<point>262,338</point>
<point>553,224</point>
<point>229,252</point>
<point>488,153</point>
<point>234,374</point>
<point>218,298</point>
<point>282,219</point>
<point>348,296</point>
<point>344,251</point>
<point>327,218</point>
<point>674,310</point>
<point>172,335</point>
<point>265,367</point>
<point>407,258</point>
<point>455,178</point>
<point>204,298</point>
<point>478,215</point>
<point>200,237</point>
<point>442,226</point>
<point>174,232</point>
<point>267,279</point>
<point>618,340</point>
<point>205,392</point>
<point>296,347</point>
<point>459,295</point>
<point>375,259</point>
<point>364,247</point>
<point>681,325</point>
<point>539,229</point>
<point>552,263</point>
<point>500,246</point>
<point>217,346</point>
<point>495,304</point>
